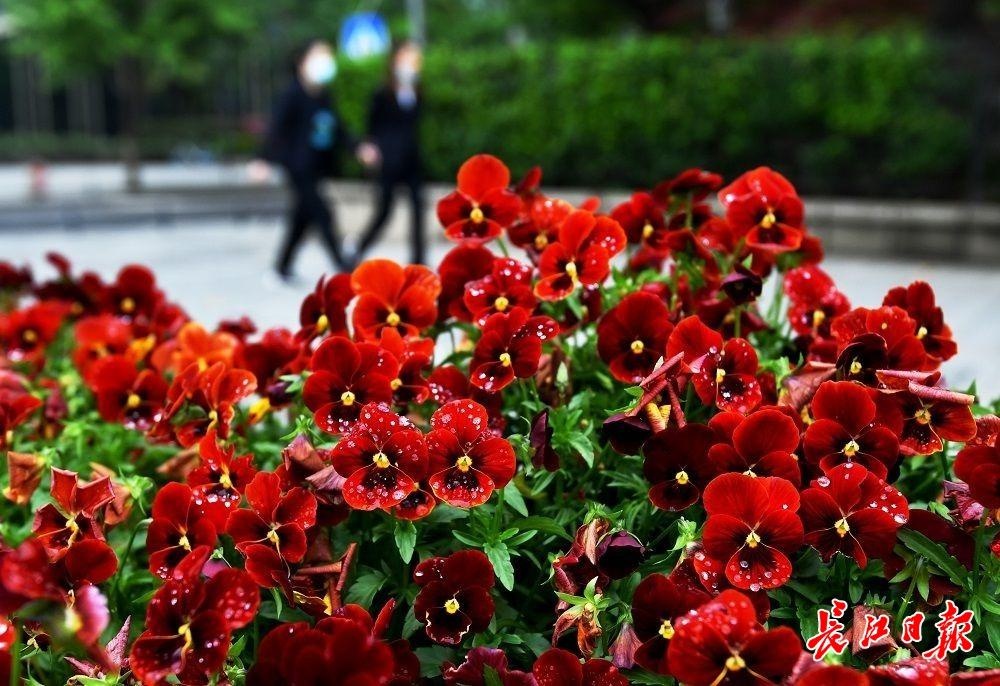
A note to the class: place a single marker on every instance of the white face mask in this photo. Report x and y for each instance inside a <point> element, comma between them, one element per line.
<point>320,69</point>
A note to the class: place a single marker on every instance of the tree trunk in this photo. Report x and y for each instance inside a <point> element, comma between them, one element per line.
<point>132,99</point>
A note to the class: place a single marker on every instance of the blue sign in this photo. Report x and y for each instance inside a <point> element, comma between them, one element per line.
<point>364,34</point>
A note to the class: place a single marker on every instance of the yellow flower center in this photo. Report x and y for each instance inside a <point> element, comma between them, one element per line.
<point>923,416</point>
<point>128,305</point>
<point>501,303</point>
<point>769,220</point>
<point>751,473</point>
<point>395,383</point>
<point>541,240</point>
<point>819,316</point>
<point>272,536</point>
<point>855,366</point>
<point>322,323</point>
<point>29,336</point>
<point>392,319</point>
<point>72,620</point>
<point>667,629</point>
<point>380,460</point>
<point>753,539</point>
<point>464,463</point>
<point>647,230</point>
<point>347,398</point>
<point>505,359</point>
<point>842,527</point>
<point>258,409</point>
<point>735,663</point>
<point>451,606</point>
<point>225,481</point>
<point>637,346</point>
<point>184,542</point>
<point>133,401</point>
<point>476,215</point>
<point>571,270</point>
<point>682,477</point>
<point>921,332</point>
<point>720,374</point>
<point>184,630</point>
<point>852,448</point>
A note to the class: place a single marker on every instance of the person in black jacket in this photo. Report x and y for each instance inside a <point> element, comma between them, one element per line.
<point>306,137</point>
<point>393,125</point>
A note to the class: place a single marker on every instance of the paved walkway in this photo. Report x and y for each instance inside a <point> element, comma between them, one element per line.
<point>217,270</point>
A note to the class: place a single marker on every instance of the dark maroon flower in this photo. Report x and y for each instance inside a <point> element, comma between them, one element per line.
<point>632,336</point>
<point>762,444</point>
<point>179,526</point>
<point>979,467</point>
<point>557,667</point>
<point>677,465</point>
<point>656,605</point>
<point>471,672</point>
<point>454,597</point>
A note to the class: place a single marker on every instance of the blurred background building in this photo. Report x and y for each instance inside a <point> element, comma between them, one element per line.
<point>884,98</point>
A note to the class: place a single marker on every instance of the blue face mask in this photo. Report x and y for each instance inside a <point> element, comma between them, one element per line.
<point>320,69</point>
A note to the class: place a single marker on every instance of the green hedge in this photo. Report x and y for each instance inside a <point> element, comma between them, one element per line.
<point>877,114</point>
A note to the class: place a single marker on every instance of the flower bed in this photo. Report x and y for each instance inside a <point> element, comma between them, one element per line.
<point>586,449</point>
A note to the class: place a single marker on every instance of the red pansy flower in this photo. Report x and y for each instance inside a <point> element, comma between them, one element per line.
<point>472,671</point>
<point>414,355</point>
<point>125,394</point>
<point>931,416</point>
<point>848,427</point>
<point>539,225</point>
<point>73,516</point>
<point>390,295</point>
<point>339,651</point>
<point>324,311</point>
<point>916,671</point>
<point>204,400</point>
<point>979,467</point>
<point>277,353</point>
<point>814,301</point>
<point>275,519</point>
<point>97,337</point>
<point>557,667</point>
<point>30,573</point>
<point>724,374</point>
<point>195,345</point>
<point>918,301</point>
<point>383,457</point>
<point>178,527</point>
<point>752,527</point>
<point>632,336</point>
<point>417,505</point>
<point>582,255</point>
<point>219,480</point>
<point>691,185</point>
<point>345,376</point>
<point>507,286</point>
<point>884,338</point>
<point>762,444</point>
<point>642,219</point>
<point>509,348</point>
<point>764,207</point>
<point>721,643</point>
<point>454,596</point>
<point>467,461</point>
<point>15,408</point>
<point>27,332</point>
<point>459,266</point>
<point>677,465</point>
<point>134,294</point>
<point>189,622</point>
<point>852,511</point>
<point>483,206</point>
<point>656,605</point>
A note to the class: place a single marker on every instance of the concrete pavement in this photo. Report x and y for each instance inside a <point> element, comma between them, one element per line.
<point>218,269</point>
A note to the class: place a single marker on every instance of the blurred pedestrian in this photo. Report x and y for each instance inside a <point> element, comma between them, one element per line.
<point>393,125</point>
<point>306,137</point>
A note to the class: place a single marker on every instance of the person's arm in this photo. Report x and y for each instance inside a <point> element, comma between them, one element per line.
<point>366,151</point>
<point>275,146</point>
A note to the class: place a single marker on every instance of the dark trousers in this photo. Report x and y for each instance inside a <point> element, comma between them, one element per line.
<point>309,208</point>
<point>387,187</point>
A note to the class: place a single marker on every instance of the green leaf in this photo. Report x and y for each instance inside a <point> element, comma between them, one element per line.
<point>491,677</point>
<point>925,547</point>
<point>513,497</point>
<point>499,557</point>
<point>545,525</point>
<point>406,539</point>
<point>364,588</point>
